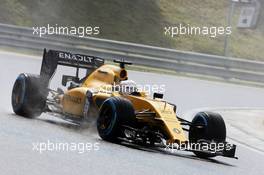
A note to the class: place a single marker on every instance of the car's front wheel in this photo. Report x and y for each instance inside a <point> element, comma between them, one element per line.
<point>207,127</point>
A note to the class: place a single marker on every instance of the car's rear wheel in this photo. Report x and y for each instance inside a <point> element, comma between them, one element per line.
<point>207,126</point>
<point>28,96</point>
<point>114,113</point>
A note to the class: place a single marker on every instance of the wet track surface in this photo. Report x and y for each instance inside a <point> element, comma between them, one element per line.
<point>17,134</point>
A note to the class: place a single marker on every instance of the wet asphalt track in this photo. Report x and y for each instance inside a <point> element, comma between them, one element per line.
<point>17,134</point>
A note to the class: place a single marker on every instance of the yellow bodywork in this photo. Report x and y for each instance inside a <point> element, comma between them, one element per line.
<point>101,82</point>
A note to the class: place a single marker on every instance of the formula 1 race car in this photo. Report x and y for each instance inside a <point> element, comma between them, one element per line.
<point>123,113</point>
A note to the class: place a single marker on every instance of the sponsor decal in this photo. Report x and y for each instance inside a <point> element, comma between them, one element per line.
<point>177,131</point>
<point>73,99</point>
<point>73,57</point>
<point>166,112</point>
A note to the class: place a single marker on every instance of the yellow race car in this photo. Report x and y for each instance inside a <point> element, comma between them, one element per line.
<point>123,113</point>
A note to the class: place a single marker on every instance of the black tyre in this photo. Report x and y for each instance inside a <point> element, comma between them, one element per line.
<point>114,113</point>
<point>213,129</point>
<point>28,96</point>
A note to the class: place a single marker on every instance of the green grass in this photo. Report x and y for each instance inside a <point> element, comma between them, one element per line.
<point>141,21</point>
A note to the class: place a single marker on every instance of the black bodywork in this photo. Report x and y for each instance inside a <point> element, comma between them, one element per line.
<point>53,58</point>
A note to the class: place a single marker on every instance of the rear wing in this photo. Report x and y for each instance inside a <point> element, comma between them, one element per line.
<point>52,58</point>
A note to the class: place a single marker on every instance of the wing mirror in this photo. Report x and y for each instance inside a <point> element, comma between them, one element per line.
<point>157,95</point>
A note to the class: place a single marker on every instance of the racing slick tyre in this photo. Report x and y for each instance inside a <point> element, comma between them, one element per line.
<point>28,96</point>
<point>114,112</point>
<point>213,130</point>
